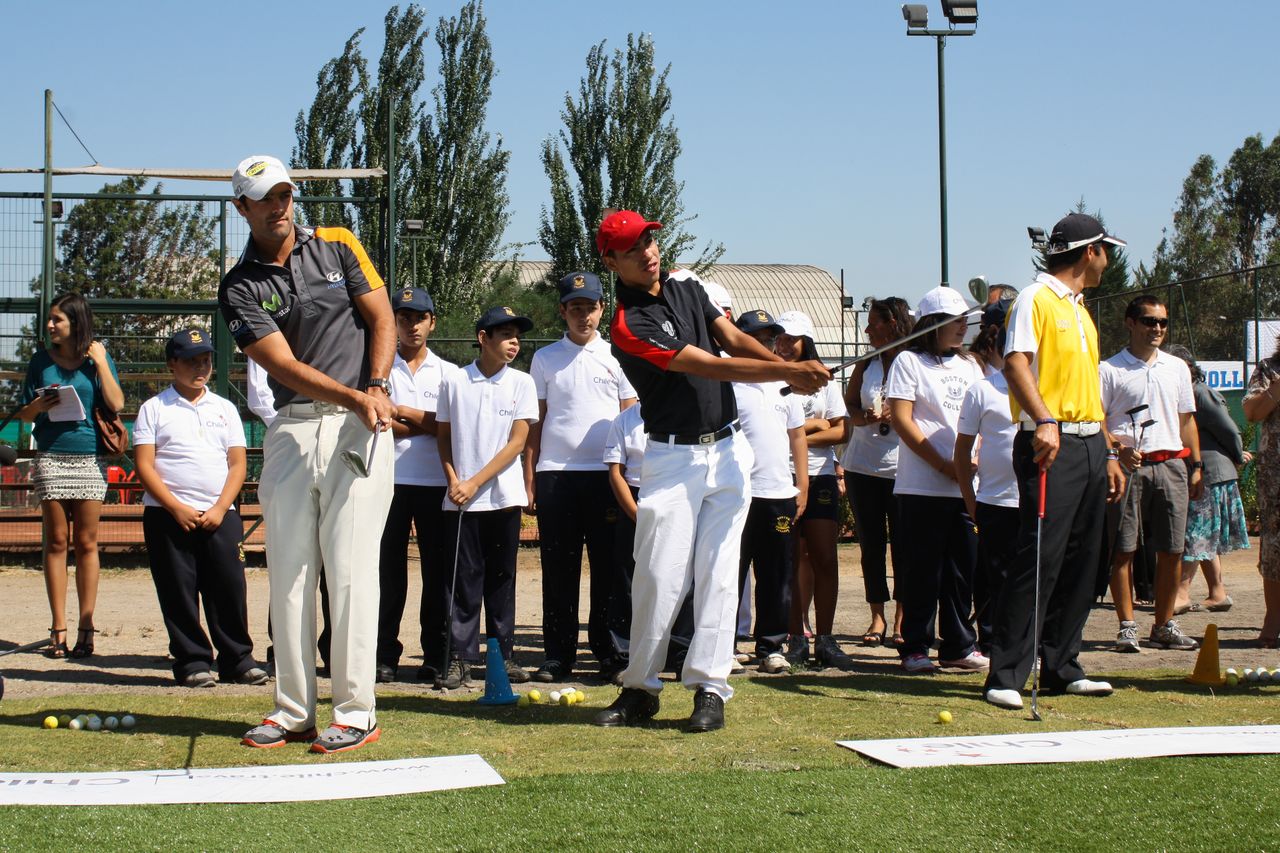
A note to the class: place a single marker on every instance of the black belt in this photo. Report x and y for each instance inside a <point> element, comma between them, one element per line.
<point>693,438</point>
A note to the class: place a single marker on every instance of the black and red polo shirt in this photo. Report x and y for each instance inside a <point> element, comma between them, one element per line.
<point>647,332</point>
<point>309,300</point>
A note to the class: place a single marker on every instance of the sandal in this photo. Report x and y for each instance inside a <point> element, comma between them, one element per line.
<point>1218,606</point>
<point>873,638</point>
<point>899,640</point>
<point>84,643</point>
<point>57,648</point>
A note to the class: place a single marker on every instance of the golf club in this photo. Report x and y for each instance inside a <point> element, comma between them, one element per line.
<point>1124,501</point>
<point>448,625</point>
<point>918,333</point>
<point>1035,608</point>
<point>29,647</point>
<point>355,463</point>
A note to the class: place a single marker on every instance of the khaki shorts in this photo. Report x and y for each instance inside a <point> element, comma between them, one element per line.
<point>1158,501</point>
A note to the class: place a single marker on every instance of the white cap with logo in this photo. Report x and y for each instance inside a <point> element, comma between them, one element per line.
<point>256,175</point>
<point>796,324</point>
<point>942,300</point>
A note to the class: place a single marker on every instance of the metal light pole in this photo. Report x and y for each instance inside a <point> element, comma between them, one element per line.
<point>917,17</point>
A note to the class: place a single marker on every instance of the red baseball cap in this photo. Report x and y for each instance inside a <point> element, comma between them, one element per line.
<point>621,229</point>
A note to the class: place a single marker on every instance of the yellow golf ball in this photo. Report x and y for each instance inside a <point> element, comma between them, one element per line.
<point>523,700</point>
<point>50,722</point>
<point>944,717</point>
<point>535,695</point>
<point>1232,679</point>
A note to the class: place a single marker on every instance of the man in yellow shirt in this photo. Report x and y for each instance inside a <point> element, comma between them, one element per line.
<point>1051,363</point>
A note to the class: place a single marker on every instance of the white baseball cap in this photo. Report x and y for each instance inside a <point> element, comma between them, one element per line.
<point>796,324</point>
<point>718,295</point>
<point>256,175</point>
<point>942,300</point>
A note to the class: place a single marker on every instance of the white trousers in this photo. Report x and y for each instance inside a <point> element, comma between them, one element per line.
<point>318,513</point>
<point>692,507</point>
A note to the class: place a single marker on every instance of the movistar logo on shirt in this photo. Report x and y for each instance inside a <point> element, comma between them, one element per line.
<point>272,304</point>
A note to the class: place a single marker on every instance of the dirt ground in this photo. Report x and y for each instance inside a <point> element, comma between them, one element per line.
<point>132,646</point>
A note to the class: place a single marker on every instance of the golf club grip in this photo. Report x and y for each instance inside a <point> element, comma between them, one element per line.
<point>1044,479</point>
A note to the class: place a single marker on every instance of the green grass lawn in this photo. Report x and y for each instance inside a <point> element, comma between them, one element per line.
<point>773,780</point>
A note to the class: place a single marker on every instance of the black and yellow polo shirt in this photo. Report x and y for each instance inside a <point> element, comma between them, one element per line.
<point>309,301</point>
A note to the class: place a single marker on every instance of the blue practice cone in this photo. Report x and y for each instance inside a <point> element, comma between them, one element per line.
<point>497,687</point>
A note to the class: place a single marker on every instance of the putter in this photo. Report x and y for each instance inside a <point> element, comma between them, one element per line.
<point>918,333</point>
<point>1128,484</point>
<point>355,463</point>
<point>448,627</point>
<point>1035,610</point>
<point>29,647</point>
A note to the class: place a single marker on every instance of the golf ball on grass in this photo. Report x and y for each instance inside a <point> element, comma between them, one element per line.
<point>535,695</point>
<point>1250,675</point>
<point>1264,677</point>
<point>64,720</point>
<point>554,697</point>
<point>95,724</point>
<point>76,725</point>
<point>1232,678</point>
<point>128,721</point>
<point>944,717</point>
<point>111,724</point>
<point>50,722</point>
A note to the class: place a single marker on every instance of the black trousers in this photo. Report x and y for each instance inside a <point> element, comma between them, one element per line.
<point>1075,504</point>
<point>624,542</point>
<point>939,549</point>
<point>576,508</point>
<point>419,508</point>
<point>997,547</point>
<point>486,574</point>
<point>189,568</point>
<point>768,541</point>
<point>875,518</point>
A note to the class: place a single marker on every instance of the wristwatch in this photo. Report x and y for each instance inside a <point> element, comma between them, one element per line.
<point>1197,465</point>
<point>384,384</point>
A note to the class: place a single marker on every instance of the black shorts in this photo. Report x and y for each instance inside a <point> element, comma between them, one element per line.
<point>824,499</point>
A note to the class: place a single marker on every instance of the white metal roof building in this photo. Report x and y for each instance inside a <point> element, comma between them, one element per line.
<point>775,288</point>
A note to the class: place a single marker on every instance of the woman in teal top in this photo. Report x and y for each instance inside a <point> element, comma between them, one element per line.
<point>67,475</point>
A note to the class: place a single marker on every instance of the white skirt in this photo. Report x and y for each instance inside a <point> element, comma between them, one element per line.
<point>68,477</point>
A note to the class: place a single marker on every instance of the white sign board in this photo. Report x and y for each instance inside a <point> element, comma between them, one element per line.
<point>324,780</point>
<point>1268,331</point>
<point>1225,375</point>
<point>1060,747</point>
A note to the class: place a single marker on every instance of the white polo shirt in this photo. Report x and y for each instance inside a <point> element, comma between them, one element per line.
<point>191,441</point>
<point>418,456</point>
<point>480,411</point>
<point>869,452</point>
<point>766,416</point>
<point>261,401</point>
<point>583,387</point>
<point>985,413</point>
<point>936,386</point>
<point>626,444</point>
<point>827,403</point>
<point>1164,385</point>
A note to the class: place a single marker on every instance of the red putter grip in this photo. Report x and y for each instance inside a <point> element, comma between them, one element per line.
<point>1044,478</point>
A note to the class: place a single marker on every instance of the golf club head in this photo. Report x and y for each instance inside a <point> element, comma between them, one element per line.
<point>1035,716</point>
<point>1150,422</point>
<point>354,462</point>
<point>8,455</point>
<point>1137,409</point>
<point>978,289</point>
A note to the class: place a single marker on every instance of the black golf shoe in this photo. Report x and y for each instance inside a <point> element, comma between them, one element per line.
<point>632,707</point>
<point>708,713</point>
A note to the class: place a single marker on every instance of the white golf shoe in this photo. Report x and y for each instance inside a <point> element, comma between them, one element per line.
<point>1010,699</point>
<point>1085,687</point>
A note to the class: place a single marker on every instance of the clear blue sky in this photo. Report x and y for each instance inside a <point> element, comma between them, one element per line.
<point>809,129</point>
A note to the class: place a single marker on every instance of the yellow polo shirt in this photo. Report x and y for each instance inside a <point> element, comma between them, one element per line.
<point>1049,322</point>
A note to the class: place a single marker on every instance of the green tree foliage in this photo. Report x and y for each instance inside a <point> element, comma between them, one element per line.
<point>621,145</point>
<point>447,172</point>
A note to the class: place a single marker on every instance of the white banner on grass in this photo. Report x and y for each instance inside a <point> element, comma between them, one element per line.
<point>276,784</point>
<point>1058,747</point>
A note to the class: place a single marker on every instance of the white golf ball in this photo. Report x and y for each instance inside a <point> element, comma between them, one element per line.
<point>555,696</point>
<point>128,721</point>
<point>1250,675</point>
<point>111,724</point>
<point>1232,671</point>
<point>95,724</point>
<point>75,724</point>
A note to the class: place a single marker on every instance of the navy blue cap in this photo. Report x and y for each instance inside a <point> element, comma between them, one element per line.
<point>995,313</point>
<point>755,321</point>
<point>413,299</point>
<point>580,285</point>
<point>188,343</point>
<point>501,315</point>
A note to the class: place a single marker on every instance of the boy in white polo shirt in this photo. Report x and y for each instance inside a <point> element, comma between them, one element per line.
<point>190,456</point>
<point>482,424</point>
<point>416,375</point>
<point>581,389</point>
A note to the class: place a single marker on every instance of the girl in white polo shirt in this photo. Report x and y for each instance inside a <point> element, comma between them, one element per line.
<point>189,448</point>
<point>482,423</point>
<point>927,384</point>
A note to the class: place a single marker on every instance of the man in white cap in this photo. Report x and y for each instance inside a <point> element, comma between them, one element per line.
<point>1051,363</point>
<point>307,305</point>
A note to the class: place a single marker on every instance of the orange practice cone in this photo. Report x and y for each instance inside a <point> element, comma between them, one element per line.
<point>1207,669</point>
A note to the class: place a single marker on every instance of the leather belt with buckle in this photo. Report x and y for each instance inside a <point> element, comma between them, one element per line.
<point>694,438</point>
<point>1084,429</point>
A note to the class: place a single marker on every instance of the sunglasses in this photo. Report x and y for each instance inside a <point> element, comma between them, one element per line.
<point>1152,322</point>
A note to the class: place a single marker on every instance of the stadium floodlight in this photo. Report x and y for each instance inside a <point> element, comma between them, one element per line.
<point>961,11</point>
<point>916,15</point>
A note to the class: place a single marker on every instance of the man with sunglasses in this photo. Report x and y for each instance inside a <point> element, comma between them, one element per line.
<point>1051,363</point>
<point>1164,461</point>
